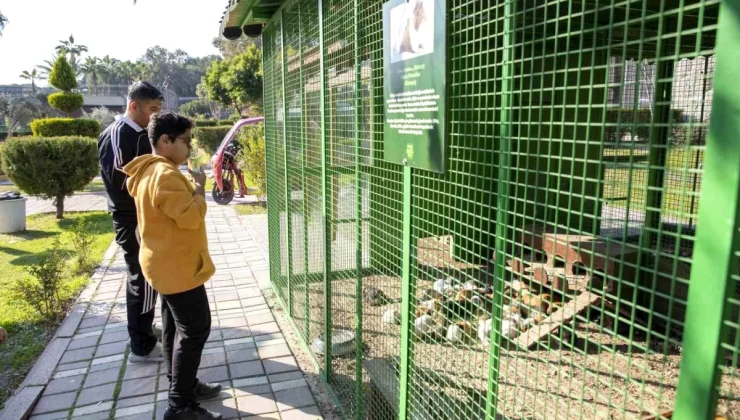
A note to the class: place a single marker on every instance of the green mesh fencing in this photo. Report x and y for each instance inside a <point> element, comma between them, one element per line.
<point>546,274</point>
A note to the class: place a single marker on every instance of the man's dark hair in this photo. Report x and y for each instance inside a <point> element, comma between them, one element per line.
<point>169,123</point>
<point>144,91</point>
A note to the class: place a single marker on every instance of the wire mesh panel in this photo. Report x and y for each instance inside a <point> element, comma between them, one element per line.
<point>548,269</point>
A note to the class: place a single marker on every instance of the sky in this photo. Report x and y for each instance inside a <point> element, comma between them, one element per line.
<point>107,27</point>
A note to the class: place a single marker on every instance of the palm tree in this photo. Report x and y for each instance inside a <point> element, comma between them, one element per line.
<point>33,76</point>
<point>92,71</point>
<point>110,68</point>
<point>74,50</point>
<point>45,69</point>
<point>3,21</point>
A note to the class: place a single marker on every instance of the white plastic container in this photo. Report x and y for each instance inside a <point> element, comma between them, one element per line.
<point>13,215</point>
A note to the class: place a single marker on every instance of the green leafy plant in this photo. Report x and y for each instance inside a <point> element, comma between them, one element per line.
<point>43,292</point>
<point>62,75</point>
<point>51,168</point>
<point>66,102</point>
<point>83,240</point>
<point>61,127</point>
<point>210,137</point>
<point>252,156</point>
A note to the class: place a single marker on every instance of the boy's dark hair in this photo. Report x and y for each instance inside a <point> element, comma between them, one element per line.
<point>169,123</point>
<point>144,91</point>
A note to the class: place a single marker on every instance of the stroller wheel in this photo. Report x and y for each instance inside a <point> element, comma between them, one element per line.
<point>223,197</point>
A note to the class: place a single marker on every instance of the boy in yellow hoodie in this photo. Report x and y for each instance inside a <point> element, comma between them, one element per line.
<point>174,258</point>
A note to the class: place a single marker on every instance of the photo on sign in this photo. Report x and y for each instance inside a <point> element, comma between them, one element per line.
<point>412,30</point>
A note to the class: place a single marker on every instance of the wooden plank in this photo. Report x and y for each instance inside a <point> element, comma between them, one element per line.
<point>531,337</point>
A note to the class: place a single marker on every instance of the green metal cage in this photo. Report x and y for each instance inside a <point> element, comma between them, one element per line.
<point>577,260</point>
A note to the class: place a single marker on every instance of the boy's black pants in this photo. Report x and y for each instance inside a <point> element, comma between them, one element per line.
<point>141,298</point>
<point>186,325</point>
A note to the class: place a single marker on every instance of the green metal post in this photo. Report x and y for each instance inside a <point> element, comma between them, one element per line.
<point>326,194</point>
<point>502,218</point>
<point>716,235</point>
<point>359,391</point>
<point>406,319</point>
<point>304,147</point>
<point>285,167</point>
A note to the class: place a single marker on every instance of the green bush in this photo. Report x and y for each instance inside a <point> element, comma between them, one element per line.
<point>51,168</point>
<point>66,102</point>
<point>62,75</point>
<point>44,291</point>
<point>62,127</point>
<point>214,123</point>
<point>252,156</point>
<point>210,137</point>
<point>83,240</point>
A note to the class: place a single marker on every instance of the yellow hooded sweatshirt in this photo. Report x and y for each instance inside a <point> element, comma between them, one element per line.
<point>174,249</point>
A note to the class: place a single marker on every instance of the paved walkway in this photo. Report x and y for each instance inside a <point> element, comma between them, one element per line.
<point>78,202</point>
<point>85,370</point>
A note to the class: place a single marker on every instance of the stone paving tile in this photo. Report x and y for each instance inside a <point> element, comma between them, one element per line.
<point>233,322</point>
<point>211,360</point>
<point>267,416</point>
<point>69,373</point>
<point>94,408</point>
<point>136,387</point>
<point>82,343</point>
<point>101,377</point>
<point>71,366</point>
<point>246,369</point>
<point>57,386</point>
<point>131,402</point>
<point>111,349</point>
<point>242,355</point>
<point>283,377</point>
<point>256,404</point>
<point>142,370</point>
<point>54,402</point>
<point>269,352</point>
<point>305,413</point>
<point>258,319</point>
<point>137,411</point>
<point>269,328</point>
<point>93,321</point>
<point>77,355</point>
<point>114,336</point>
<point>233,333</point>
<point>226,407</point>
<point>103,415</point>
<point>280,365</point>
<point>96,394</point>
<point>295,383</point>
<point>51,416</point>
<point>294,398</point>
<point>104,366</point>
<point>213,374</point>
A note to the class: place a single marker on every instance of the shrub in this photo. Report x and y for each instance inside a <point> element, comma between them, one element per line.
<point>214,123</point>
<point>210,137</point>
<point>62,127</point>
<point>66,102</point>
<point>102,115</point>
<point>196,108</point>
<point>62,75</point>
<point>252,156</point>
<point>83,239</point>
<point>43,292</point>
<point>51,168</point>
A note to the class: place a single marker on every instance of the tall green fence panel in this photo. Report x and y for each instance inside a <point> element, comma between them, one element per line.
<point>550,272</point>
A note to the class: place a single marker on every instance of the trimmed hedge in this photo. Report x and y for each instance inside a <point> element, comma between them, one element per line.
<point>60,127</point>
<point>51,168</point>
<point>66,102</point>
<point>62,74</point>
<point>210,137</point>
<point>214,123</point>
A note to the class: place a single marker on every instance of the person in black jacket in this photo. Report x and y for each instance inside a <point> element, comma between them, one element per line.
<point>119,144</point>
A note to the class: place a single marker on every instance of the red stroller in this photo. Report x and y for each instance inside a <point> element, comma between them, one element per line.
<point>226,168</point>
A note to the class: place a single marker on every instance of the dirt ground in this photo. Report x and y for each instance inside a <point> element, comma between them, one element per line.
<point>596,375</point>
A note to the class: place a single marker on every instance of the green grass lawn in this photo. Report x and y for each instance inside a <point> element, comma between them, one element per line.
<point>624,184</point>
<point>95,186</point>
<point>244,209</point>
<point>28,333</point>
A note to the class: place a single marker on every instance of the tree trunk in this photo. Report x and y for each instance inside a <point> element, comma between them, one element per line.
<point>59,203</point>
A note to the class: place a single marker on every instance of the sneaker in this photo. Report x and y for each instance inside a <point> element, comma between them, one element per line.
<point>191,412</point>
<point>205,391</point>
<point>154,356</point>
<point>157,331</point>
